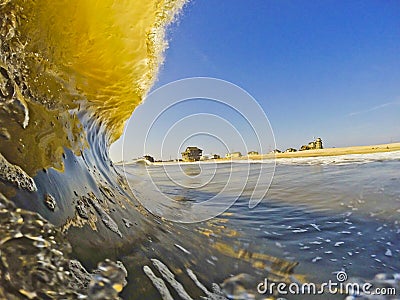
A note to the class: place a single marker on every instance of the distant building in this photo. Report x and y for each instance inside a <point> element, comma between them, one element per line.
<point>304,147</point>
<point>276,151</point>
<point>252,153</point>
<point>290,150</point>
<point>317,144</point>
<point>209,156</point>
<point>192,154</point>
<point>233,155</point>
<point>149,158</point>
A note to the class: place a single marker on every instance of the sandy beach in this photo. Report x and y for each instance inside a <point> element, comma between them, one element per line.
<point>306,153</point>
<point>332,151</point>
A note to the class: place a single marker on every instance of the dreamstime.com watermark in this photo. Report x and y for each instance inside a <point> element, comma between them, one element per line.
<point>340,286</point>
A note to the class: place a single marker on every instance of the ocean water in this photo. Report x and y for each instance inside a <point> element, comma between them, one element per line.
<point>73,226</point>
<point>319,217</point>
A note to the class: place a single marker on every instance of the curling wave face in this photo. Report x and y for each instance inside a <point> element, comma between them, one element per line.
<point>62,57</point>
<point>71,72</point>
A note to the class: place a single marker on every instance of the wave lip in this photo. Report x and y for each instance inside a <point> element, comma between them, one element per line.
<point>62,62</point>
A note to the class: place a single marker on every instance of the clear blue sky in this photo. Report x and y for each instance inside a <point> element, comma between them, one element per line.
<point>317,68</point>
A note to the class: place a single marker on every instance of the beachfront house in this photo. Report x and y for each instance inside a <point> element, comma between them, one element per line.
<point>317,144</point>
<point>192,154</point>
<point>148,158</point>
<point>252,153</point>
<point>209,156</point>
<point>233,155</point>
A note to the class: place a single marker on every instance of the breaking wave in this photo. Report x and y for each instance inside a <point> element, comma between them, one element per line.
<point>71,73</point>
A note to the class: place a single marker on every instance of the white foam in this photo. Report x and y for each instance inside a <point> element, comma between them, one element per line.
<point>340,159</point>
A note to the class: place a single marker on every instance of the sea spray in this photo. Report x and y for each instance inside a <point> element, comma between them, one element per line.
<point>35,262</point>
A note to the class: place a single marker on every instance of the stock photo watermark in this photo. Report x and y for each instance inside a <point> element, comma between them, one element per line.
<point>333,287</point>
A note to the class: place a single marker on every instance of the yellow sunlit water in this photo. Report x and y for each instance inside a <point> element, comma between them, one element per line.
<point>58,57</point>
<point>105,51</point>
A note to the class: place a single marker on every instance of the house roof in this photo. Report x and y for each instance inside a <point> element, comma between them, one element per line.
<point>193,148</point>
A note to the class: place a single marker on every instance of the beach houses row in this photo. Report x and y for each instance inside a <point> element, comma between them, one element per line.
<point>317,144</point>
<point>195,154</point>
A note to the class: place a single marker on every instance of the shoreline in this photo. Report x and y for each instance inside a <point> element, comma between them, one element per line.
<point>370,149</point>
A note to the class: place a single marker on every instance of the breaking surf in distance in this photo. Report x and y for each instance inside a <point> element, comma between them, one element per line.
<point>341,159</point>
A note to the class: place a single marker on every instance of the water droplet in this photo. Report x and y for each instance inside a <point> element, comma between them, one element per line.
<point>50,202</point>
